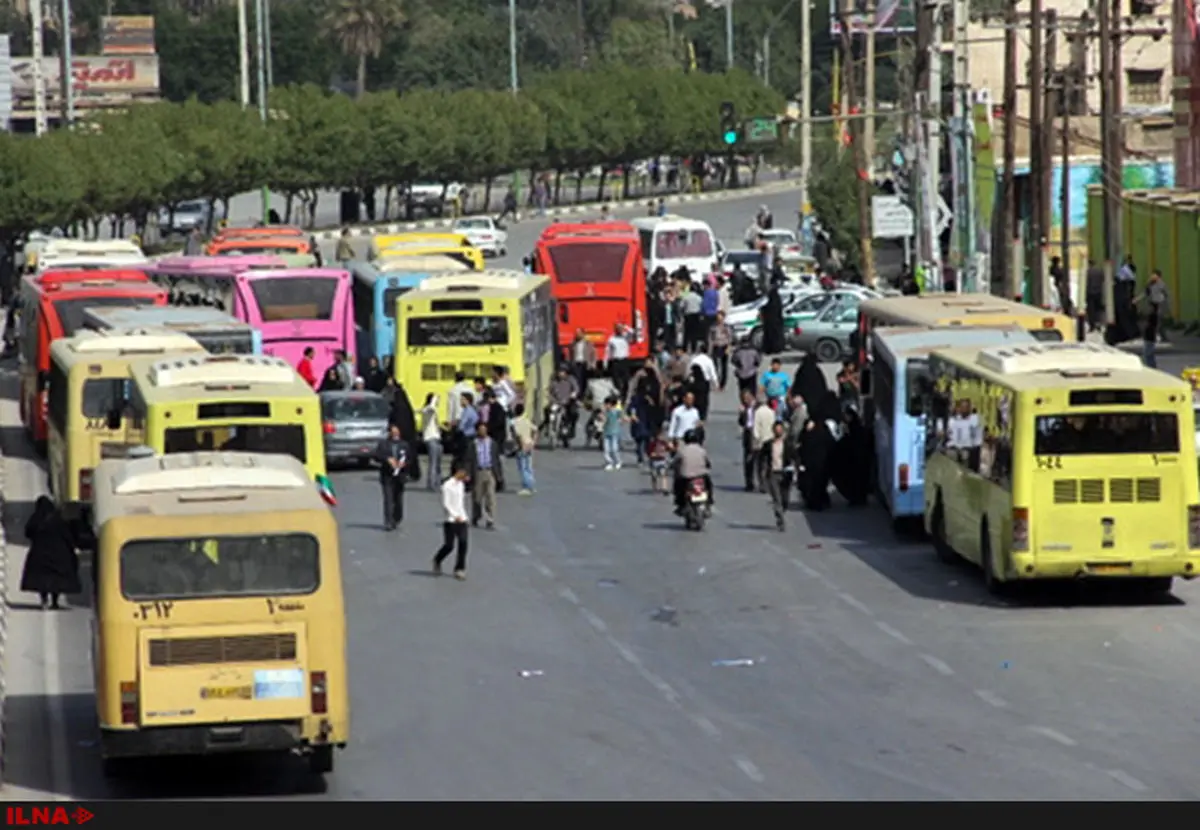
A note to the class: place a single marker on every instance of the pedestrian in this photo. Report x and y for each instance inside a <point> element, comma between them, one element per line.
<point>454,529</point>
<point>376,378</point>
<point>775,384</point>
<point>765,418</point>
<point>1062,284</point>
<point>749,450</point>
<point>483,462</point>
<point>195,243</point>
<point>816,444</point>
<point>332,382</point>
<point>777,457</point>
<point>468,421</point>
<point>648,385</point>
<point>613,418</point>
<point>693,319</point>
<point>582,357</point>
<point>1095,296</point>
<point>771,316</point>
<point>393,454</point>
<point>51,566</point>
<point>1158,301</point>
<point>502,386</point>
<point>746,362</point>
<point>684,418</point>
<point>524,435</point>
<point>850,464</point>
<point>720,338</point>
<point>710,304</point>
<point>699,386</point>
<point>401,414</point>
<point>344,251</point>
<point>431,435</point>
<point>305,367</point>
<point>809,380</point>
<point>616,357</point>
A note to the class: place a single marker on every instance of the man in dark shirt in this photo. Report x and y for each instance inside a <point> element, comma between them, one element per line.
<point>393,454</point>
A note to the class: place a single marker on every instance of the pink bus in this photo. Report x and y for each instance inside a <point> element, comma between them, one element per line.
<point>295,308</point>
<point>206,280</point>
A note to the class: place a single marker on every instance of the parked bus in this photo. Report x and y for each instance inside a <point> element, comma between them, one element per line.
<point>1060,460</point>
<point>216,331</point>
<point>297,249</point>
<point>206,280</point>
<point>674,242</point>
<point>472,257</point>
<point>52,306</point>
<point>259,232</point>
<point>298,308</point>
<point>88,404</point>
<point>472,323</point>
<point>219,616</point>
<point>79,255</point>
<point>376,287</point>
<point>900,372</point>
<point>599,279</point>
<point>232,402</point>
<point>383,242</point>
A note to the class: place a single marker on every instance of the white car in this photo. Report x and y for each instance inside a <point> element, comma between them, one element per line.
<point>743,318</point>
<point>785,241</point>
<point>483,233</point>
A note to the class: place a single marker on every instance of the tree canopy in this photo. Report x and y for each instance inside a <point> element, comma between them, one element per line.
<point>155,155</point>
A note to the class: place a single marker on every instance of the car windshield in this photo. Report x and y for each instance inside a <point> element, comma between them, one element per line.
<point>355,408</point>
<point>474,224</point>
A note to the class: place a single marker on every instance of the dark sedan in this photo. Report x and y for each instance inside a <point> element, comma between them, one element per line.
<point>355,422</point>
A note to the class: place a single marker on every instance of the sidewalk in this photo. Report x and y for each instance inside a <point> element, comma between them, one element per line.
<point>1179,344</point>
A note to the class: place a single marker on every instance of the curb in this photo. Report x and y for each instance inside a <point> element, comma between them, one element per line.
<point>3,621</point>
<point>780,186</point>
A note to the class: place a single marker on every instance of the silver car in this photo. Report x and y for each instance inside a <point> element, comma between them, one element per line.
<point>827,335</point>
<point>355,421</point>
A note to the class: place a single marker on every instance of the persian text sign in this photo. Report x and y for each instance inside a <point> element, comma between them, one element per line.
<point>94,76</point>
<point>127,35</point>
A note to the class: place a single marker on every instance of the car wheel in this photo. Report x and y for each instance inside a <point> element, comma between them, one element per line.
<point>828,351</point>
<point>756,339</point>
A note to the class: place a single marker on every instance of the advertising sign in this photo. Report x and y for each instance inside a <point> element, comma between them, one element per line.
<point>891,17</point>
<point>97,79</point>
<point>128,35</point>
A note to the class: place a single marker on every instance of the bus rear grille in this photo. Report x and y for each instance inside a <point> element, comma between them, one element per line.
<point>194,651</point>
<point>1149,489</point>
<point>438,371</point>
<point>1091,490</point>
<point>1120,490</point>
<point>477,370</point>
<point>1066,491</point>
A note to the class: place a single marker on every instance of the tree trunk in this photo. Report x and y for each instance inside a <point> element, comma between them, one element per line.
<point>487,194</point>
<point>579,186</point>
<point>557,185</point>
<point>287,207</point>
<point>312,209</point>
<point>387,202</point>
<point>224,208</point>
<point>625,183</point>
<point>600,188</point>
<point>361,82</point>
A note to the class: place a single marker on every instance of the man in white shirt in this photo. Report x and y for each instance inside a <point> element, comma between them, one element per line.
<point>503,389</point>
<point>454,402</point>
<point>707,367</point>
<point>454,530</point>
<point>684,418</point>
<point>616,356</point>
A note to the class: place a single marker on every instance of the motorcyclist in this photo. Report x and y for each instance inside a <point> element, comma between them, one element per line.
<point>564,391</point>
<point>691,461</point>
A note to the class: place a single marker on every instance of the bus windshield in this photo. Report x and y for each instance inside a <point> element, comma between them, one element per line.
<point>1107,433</point>
<point>220,566</point>
<point>295,298</point>
<point>682,244</point>
<point>458,330</point>
<point>70,312</point>
<point>589,262</point>
<point>281,439</point>
<point>390,295</point>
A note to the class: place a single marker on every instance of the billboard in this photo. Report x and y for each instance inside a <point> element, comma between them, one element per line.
<point>128,35</point>
<point>891,16</point>
<point>6,103</point>
<point>97,80</point>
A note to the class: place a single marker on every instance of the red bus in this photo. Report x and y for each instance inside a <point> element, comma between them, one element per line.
<point>52,306</point>
<point>599,279</point>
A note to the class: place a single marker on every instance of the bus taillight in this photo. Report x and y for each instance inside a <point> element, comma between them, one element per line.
<point>330,427</point>
<point>1020,529</point>
<point>1194,525</point>
<point>903,473</point>
<point>85,485</point>
<point>129,703</point>
<point>320,700</point>
<point>1047,322</point>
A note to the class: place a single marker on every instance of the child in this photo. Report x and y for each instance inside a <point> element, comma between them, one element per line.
<point>612,433</point>
<point>659,455</point>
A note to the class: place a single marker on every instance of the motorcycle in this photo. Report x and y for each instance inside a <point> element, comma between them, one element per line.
<point>696,508</point>
<point>558,426</point>
<point>594,429</point>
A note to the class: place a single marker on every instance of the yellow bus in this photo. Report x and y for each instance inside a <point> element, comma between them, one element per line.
<point>220,620</point>
<point>244,403</point>
<point>471,323</point>
<point>87,410</point>
<point>381,243</point>
<point>472,257</point>
<point>1060,460</point>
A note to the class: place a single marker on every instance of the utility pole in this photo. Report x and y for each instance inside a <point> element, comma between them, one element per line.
<point>1002,276</point>
<point>1110,177</point>
<point>261,55</point>
<point>729,35</point>
<point>243,55</point>
<point>914,137</point>
<point>1066,93</point>
<point>805,103</point>
<point>849,97</point>
<point>1037,100</point>
<point>866,162</point>
<point>65,58</point>
<point>39,78</point>
<point>1045,185</point>
<point>963,158</point>
<point>513,82</point>
<point>932,166</point>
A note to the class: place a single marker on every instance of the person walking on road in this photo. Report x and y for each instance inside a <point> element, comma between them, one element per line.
<point>746,363</point>
<point>583,358</point>
<point>616,358</point>
<point>749,450</point>
<point>394,455</point>
<point>51,566</point>
<point>765,419</point>
<point>454,529</point>
<point>778,458</point>
<point>305,367</point>
<point>483,464</point>
<point>524,435</point>
<point>431,434</point>
<point>613,418</point>
<point>720,338</point>
<point>344,252</point>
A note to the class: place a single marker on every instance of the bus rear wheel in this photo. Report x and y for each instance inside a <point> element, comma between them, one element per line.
<point>995,586</point>
<point>320,760</point>
<point>937,534</point>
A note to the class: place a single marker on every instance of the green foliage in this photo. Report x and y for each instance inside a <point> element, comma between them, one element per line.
<point>133,163</point>
<point>833,194</point>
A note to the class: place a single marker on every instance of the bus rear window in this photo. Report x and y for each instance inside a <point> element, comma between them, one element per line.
<point>458,330</point>
<point>280,439</point>
<point>70,312</point>
<point>589,261</point>
<point>683,244</point>
<point>294,298</point>
<point>390,296</point>
<point>1107,433</point>
<point>220,566</point>
<point>104,397</point>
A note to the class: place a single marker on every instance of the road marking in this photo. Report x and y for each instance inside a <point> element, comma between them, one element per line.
<point>937,665</point>
<point>626,652</point>
<point>1128,780</point>
<point>747,766</point>
<point>522,549</point>
<point>543,570</point>
<point>594,621</point>
<point>806,570</point>
<point>895,634</point>
<point>855,604</point>
<point>569,595</point>
<point>60,771</point>
<point>991,698</point>
<point>707,727</point>
<point>1054,735</point>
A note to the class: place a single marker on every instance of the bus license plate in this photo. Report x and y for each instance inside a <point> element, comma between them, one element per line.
<point>227,693</point>
<point>1109,569</point>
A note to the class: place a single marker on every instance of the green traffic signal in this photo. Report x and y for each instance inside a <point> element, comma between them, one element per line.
<point>731,136</point>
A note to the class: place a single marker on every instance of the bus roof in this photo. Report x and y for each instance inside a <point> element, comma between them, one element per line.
<point>569,229</point>
<point>670,221</point>
<point>117,317</point>
<point>102,288</point>
<point>88,247</point>
<point>432,262</point>
<point>217,372</point>
<point>200,483</point>
<point>120,342</point>
<point>492,284</point>
<point>912,341</point>
<point>68,260</point>
<point>1071,365</point>
<point>395,240</point>
<point>941,309</point>
<point>273,273</point>
<point>259,231</point>
<point>53,280</point>
<point>218,263</point>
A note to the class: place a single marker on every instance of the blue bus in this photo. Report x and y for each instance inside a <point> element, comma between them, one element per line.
<point>216,331</point>
<point>899,372</point>
<point>377,285</point>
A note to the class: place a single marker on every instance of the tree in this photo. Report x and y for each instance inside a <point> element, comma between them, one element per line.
<point>833,194</point>
<point>360,26</point>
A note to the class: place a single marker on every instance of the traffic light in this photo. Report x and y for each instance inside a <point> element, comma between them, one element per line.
<point>729,126</point>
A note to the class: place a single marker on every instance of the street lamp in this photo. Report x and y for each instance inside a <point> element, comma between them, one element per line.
<point>728,4</point>
<point>512,75</point>
<point>766,41</point>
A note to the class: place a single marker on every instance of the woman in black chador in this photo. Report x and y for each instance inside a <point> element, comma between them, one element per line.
<point>809,382</point>
<point>851,463</point>
<point>771,315</point>
<point>51,566</point>
<point>816,447</point>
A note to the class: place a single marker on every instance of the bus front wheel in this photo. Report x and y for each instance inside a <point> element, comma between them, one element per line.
<point>320,760</point>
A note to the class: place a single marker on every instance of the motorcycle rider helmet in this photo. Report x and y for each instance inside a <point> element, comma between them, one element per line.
<point>690,437</point>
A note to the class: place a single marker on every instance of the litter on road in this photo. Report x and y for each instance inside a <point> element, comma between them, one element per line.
<point>531,673</point>
<point>740,662</point>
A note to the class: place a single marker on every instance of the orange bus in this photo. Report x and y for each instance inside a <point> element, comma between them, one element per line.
<point>599,279</point>
<point>259,244</point>
<point>259,232</point>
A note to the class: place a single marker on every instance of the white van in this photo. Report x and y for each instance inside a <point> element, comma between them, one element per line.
<point>672,242</point>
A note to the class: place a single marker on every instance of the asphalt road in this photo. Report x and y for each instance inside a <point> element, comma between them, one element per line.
<point>878,673</point>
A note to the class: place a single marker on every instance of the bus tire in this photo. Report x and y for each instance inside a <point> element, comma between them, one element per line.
<point>828,351</point>
<point>1156,585</point>
<point>114,768</point>
<point>937,533</point>
<point>994,585</point>
<point>320,760</point>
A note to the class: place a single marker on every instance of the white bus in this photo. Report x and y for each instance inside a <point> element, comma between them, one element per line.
<point>672,242</point>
